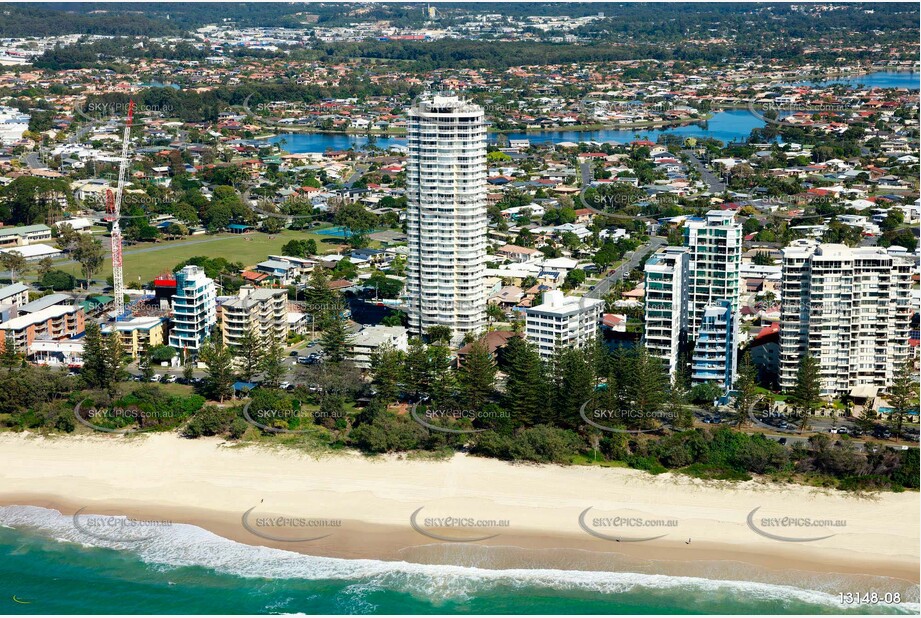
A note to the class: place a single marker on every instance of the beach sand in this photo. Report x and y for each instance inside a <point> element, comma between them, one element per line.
<point>362,508</point>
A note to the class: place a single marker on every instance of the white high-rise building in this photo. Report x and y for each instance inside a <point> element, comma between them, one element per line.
<point>446,215</point>
<point>715,262</point>
<point>667,305</point>
<point>194,310</point>
<point>562,322</point>
<point>847,307</point>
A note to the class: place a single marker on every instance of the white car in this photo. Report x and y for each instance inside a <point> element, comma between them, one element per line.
<point>156,377</point>
<point>284,385</point>
<point>170,379</point>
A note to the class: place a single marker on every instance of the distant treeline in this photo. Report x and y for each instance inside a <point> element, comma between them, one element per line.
<point>40,20</point>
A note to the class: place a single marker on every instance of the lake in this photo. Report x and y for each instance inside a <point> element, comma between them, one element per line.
<point>726,126</point>
<point>881,79</point>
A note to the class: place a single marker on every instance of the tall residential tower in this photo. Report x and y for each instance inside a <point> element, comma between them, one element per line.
<point>446,215</point>
<point>715,262</point>
<point>850,308</point>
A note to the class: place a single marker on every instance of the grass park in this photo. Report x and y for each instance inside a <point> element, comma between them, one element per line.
<point>145,261</point>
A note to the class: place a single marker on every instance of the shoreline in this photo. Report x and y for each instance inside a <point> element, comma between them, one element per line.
<point>207,484</point>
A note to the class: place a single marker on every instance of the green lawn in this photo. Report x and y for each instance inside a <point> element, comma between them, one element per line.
<point>147,260</point>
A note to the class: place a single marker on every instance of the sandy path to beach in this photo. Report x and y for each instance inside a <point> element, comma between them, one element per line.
<point>212,484</point>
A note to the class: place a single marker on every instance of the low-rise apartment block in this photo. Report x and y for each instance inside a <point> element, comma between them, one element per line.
<point>562,322</point>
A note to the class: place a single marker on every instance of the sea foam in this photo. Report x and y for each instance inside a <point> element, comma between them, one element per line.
<point>183,545</point>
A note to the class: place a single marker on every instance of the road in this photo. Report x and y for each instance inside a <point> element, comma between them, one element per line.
<point>360,170</point>
<point>602,287</point>
<point>33,161</point>
<point>586,171</point>
<point>715,185</point>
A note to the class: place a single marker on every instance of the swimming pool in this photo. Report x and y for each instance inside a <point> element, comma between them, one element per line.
<point>888,410</point>
<point>338,232</point>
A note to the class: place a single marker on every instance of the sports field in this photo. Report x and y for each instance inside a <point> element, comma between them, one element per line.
<point>147,260</point>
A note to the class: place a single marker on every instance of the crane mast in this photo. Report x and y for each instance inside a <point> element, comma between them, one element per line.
<point>118,279</point>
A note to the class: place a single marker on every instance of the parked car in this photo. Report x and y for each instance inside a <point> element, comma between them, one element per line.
<point>169,379</point>
<point>156,377</point>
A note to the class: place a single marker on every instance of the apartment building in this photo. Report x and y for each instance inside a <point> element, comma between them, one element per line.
<point>194,310</point>
<point>715,356</point>
<point>369,339</point>
<point>715,245</point>
<point>446,215</point>
<point>262,311</point>
<point>14,294</point>
<point>666,309</point>
<point>562,322</point>
<point>139,334</point>
<point>54,322</point>
<point>847,307</point>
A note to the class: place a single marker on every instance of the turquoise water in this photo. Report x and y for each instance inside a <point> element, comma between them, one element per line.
<point>337,231</point>
<point>50,567</point>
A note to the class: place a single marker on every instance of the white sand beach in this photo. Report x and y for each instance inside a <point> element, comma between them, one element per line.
<point>687,526</point>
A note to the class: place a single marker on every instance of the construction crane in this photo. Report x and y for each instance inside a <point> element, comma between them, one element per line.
<point>118,277</point>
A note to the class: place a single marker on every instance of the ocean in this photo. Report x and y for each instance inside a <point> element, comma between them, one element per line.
<point>47,566</point>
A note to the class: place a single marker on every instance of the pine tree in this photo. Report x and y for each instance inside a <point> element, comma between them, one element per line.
<point>746,387</point>
<point>248,353</point>
<point>576,386</point>
<point>94,361</point>
<point>902,396</point>
<point>477,376</point>
<point>219,362</point>
<point>442,379</point>
<point>273,364</point>
<point>387,372</point>
<point>678,413</point>
<point>646,389</point>
<point>10,358</point>
<point>336,340</point>
<point>416,372</point>
<point>526,383</point>
<point>807,392</point>
<point>111,361</point>
<point>322,303</point>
